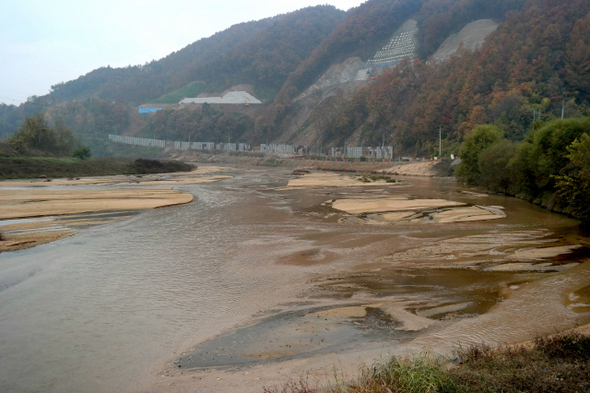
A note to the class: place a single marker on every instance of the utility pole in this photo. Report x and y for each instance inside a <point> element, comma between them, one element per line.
<point>440,141</point>
<point>563,109</point>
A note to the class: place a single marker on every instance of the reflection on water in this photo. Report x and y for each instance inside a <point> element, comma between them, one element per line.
<point>107,309</point>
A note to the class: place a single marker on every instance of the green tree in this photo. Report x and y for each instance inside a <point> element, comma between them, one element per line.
<point>35,134</point>
<point>475,142</point>
<point>547,157</point>
<point>66,141</point>
<point>574,187</point>
<point>82,153</point>
<point>496,171</point>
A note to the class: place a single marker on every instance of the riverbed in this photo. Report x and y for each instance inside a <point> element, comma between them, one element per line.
<point>254,283</point>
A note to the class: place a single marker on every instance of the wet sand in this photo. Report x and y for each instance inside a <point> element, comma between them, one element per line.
<point>41,203</point>
<point>332,179</point>
<point>430,293</point>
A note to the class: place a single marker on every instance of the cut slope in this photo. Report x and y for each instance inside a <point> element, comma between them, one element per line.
<point>471,37</point>
<point>402,45</point>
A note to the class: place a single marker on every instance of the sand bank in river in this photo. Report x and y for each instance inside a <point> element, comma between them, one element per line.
<point>394,208</point>
<point>331,179</point>
<point>36,199</point>
<point>40,203</point>
<point>23,204</point>
<point>392,204</point>
<point>411,210</point>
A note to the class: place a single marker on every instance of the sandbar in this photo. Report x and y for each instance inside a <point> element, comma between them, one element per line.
<point>40,203</point>
<point>464,214</point>
<point>542,253</point>
<point>35,203</point>
<point>329,179</point>
<point>12,242</point>
<point>393,204</point>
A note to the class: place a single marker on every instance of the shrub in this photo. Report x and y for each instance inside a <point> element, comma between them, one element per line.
<point>82,153</point>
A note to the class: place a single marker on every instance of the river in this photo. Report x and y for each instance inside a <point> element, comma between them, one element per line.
<point>111,307</point>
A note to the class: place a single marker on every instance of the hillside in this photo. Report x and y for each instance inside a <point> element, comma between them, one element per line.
<point>366,32</point>
<point>533,63</point>
<point>261,53</point>
<point>382,73</point>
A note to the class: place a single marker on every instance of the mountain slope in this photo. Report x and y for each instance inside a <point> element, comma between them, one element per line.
<point>260,53</point>
<point>367,28</point>
<point>533,63</point>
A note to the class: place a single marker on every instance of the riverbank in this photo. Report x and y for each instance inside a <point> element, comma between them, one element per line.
<point>48,168</point>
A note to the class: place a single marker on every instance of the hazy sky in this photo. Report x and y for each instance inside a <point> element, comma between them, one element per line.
<point>45,42</point>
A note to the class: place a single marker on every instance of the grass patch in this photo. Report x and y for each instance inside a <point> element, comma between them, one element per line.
<point>555,364</point>
<point>559,363</point>
<point>193,89</point>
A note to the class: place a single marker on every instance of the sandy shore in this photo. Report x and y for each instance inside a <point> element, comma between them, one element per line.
<point>332,179</point>
<point>40,203</point>
<point>29,199</point>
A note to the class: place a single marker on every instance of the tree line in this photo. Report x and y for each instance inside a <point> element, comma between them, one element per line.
<point>550,167</point>
<point>535,64</point>
<point>35,137</point>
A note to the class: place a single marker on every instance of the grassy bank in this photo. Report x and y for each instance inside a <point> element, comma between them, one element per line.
<point>553,364</point>
<point>47,167</point>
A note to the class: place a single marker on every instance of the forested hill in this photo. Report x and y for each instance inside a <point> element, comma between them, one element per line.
<point>261,53</point>
<point>367,29</point>
<point>535,63</point>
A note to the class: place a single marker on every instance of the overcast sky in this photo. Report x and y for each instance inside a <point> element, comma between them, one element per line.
<point>45,42</point>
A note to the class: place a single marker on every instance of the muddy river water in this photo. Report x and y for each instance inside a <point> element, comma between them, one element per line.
<point>252,274</point>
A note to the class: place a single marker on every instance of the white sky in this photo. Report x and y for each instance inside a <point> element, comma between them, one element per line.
<point>45,42</point>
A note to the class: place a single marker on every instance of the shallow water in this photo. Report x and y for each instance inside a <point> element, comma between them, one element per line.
<point>111,307</point>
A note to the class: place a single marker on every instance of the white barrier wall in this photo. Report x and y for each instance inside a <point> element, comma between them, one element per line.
<point>385,152</point>
<point>131,140</point>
